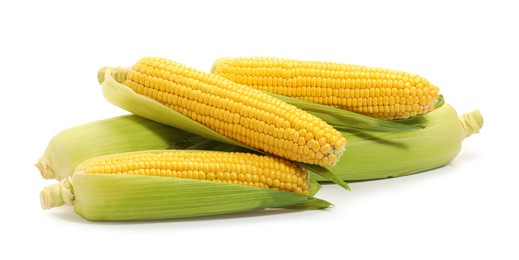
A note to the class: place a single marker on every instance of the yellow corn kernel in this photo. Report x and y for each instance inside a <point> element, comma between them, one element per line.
<point>225,167</point>
<point>241,113</point>
<point>381,93</point>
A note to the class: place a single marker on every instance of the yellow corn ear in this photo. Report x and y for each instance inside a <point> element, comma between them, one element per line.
<point>227,167</point>
<point>247,115</point>
<point>377,92</point>
<point>176,184</point>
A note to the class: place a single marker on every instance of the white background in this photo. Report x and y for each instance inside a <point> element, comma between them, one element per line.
<point>51,51</point>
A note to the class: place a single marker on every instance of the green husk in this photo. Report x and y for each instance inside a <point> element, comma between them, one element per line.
<point>123,97</point>
<point>118,197</point>
<point>379,155</point>
<point>115,135</point>
<point>345,120</point>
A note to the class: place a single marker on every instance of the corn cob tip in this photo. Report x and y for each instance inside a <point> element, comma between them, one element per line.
<point>471,123</point>
<point>217,63</point>
<point>56,195</point>
<point>43,166</point>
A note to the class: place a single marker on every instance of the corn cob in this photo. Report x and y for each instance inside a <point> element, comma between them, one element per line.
<point>249,116</point>
<point>176,184</point>
<point>396,153</point>
<point>381,93</point>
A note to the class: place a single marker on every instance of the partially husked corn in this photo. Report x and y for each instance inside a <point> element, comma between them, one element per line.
<point>377,92</point>
<point>177,184</point>
<point>227,167</point>
<point>241,113</point>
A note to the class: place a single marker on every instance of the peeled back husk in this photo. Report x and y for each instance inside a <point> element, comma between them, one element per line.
<point>123,197</point>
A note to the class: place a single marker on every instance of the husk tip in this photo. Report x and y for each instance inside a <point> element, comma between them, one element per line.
<point>117,73</point>
<point>472,122</point>
<point>58,194</point>
<point>45,171</point>
<point>101,74</point>
<point>48,198</point>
